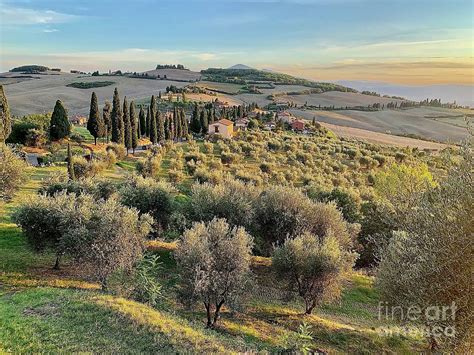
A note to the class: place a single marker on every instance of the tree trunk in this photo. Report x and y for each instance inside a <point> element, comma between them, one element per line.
<point>217,312</point>
<point>58,260</point>
<point>95,140</point>
<point>209,317</point>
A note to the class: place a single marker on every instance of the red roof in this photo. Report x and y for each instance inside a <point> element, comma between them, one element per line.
<point>225,122</point>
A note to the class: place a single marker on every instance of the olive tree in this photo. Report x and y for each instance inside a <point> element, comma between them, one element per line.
<point>428,262</point>
<point>12,172</point>
<point>45,220</point>
<point>313,267</point>
<point>283,212</point>
<point>231,199</point>
<point>149,196</point>
<point>214,265</point>
<point>111,239</point>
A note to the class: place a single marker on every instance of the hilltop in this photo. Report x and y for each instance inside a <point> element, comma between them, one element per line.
<point>240,66</point>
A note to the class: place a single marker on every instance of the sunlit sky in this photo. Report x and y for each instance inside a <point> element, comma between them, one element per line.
<point>405,41</point>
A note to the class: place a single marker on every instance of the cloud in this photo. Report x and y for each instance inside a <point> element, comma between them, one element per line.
<point>50,30</point>
<point>24,16</point>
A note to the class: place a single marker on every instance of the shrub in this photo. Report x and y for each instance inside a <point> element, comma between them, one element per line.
<point>150,166</point>
<point>208,147</point>
<point>214,265</point>
<point>228,158</point>
<point>119,150</point>
<point>231,199</point>
<point>111,239</point>
<point>175,176</point>
<point>86,169</point>
<point>141,284</point>
<point>283,212</point>
<point>46,219</point>
<point>12,172</point>
<point>149,196</point>
<point>313,267</point>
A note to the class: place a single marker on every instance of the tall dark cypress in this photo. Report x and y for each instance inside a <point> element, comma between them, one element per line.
<point>147,123</point>
<point>134,124</point>
<point>127,130</point>
<point>204,121</point>
<point>153,128</point>
<point>184,124</point>
<point>60,127</point>
<point>160,123</point>
<point>167,127</point>
<point>117,119</point>
<point>177,125</point>
<point>141,117</point>
<point>195,121</point>
<point>107,120</point>
<point>95,125</point>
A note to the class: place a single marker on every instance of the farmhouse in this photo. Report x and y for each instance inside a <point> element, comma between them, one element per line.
<point>241,124</point>
<point>298,125</point>
<point>285,117</point>
<point>223,127</point>
<point>78,120</point>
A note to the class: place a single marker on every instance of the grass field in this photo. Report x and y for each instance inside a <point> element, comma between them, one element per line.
<point>42,310</point>
<point>421,122</point>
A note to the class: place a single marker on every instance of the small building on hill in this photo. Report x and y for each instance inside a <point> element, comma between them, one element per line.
<point>78,120</point>
<point>241,124</point>
<point>223,128</point>
<point>285,117</point>
<point>298,125</point>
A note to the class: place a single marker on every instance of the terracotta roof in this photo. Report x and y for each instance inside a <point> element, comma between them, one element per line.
<point>225,122</point>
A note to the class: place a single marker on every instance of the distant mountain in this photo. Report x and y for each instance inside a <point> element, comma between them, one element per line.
<point>240,66</point>
<point>462,94</point>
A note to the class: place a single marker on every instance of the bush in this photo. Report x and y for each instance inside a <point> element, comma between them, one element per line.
<point>283,212</point>
<point>12,172</point>
<point>150,166</point>
<point>214,265</point>
<point>231,199</point>
<point>119,150</point>
<point>149,196</point>
<point>313,267</point>
<point>111,239</point>
<point>86,169</point>
<point>141,284</point>
<point>46,219</point>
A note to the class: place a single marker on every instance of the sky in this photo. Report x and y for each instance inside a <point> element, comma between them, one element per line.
<point>413,42</point>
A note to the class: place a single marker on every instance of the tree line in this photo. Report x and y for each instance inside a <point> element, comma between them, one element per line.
<point>122,125</point>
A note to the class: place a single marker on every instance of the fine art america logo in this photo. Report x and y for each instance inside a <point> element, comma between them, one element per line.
<point>438,318</point>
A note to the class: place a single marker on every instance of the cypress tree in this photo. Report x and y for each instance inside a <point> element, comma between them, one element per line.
<point>70,164</point>
<point>117,119</point>
<point>107,120</point>
<point>95,124</point>
<point>195,121</point>
<point>134,124</point>
<point>160,123</point>
<point>184,124</point>
<point>153,128</point>
<point>127,129</point>
<point>142,119</point>
<point>167,127</point>
<point>177,123</point>
<point>60,127</point>
<point>5,118</point>
<point>147,124</point>
<point>204,122</point>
